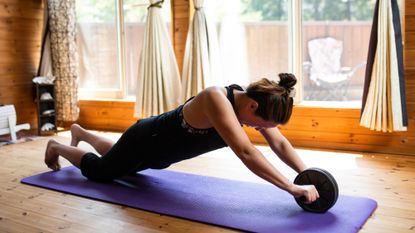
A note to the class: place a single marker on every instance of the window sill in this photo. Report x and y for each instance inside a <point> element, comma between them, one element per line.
<point>331,104</point>
<point>304,104</point>
<point>128,99</point>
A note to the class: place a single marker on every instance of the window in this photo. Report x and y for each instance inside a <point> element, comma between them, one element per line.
<point>325,42</point>
<point>108,59</point>
<point>97,46</point>
<point>335,36</point>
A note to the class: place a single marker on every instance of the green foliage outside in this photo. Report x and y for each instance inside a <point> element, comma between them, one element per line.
<point>313,10</point>
<point>97,11</point>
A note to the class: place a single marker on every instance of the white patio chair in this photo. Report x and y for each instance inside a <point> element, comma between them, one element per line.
<point>8,122</point>
<point>325,69</point>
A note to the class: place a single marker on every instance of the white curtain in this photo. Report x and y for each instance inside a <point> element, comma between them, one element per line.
<point>158,83</point>
<point>45,65</point>
<point>45,68</point>
<point>233,47</point>
<point>384,107</point>
<point>201,60</point>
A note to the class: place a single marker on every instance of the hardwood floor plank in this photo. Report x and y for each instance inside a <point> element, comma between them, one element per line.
<point>387,178</point>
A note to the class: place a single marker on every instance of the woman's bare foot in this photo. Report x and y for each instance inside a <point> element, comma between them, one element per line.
<point>51,157</point>
<point>75,131</point>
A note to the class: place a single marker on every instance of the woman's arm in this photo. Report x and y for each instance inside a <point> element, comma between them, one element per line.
<point>221,115</point>
<point>283,148</point>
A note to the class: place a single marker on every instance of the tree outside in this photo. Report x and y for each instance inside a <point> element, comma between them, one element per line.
<point>318,10</point>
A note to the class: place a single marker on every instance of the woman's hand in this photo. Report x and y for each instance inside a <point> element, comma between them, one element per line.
<point>309,192</point>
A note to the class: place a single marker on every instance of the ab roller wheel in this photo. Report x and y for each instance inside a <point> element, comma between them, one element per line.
<point>326,186</point>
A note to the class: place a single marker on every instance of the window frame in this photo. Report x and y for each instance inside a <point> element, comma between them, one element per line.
<point>295,45</point>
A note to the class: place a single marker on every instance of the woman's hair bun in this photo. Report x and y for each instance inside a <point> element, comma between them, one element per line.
<point>287,80</point>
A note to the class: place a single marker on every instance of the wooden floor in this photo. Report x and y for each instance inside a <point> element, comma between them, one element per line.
<point>389,179</point>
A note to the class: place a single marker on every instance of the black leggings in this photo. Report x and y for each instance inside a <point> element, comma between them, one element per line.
<point>128,155</point>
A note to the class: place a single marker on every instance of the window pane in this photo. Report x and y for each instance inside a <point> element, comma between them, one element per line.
<point>135,13</point>
<point>253,38</point>
<point>97,44</point>
<point>335,44</point>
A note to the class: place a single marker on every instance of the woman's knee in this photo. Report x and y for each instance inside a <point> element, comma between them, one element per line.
<point>93,169</point>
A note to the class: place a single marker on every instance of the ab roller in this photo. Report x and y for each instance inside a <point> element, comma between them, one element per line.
<point>326,186</point>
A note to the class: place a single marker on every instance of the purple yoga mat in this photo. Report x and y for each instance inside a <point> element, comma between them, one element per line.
<point>229,203</point>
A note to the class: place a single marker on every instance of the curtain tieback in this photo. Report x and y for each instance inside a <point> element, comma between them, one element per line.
<point>156,4</point>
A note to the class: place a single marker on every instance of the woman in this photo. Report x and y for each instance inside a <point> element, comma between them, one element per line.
<point>209,121</point>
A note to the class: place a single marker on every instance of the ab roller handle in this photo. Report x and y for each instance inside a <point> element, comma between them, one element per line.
<point>326,186</point>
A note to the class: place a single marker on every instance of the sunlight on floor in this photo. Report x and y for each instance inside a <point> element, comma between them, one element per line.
<point>111,135</point>
<point>334,160</point>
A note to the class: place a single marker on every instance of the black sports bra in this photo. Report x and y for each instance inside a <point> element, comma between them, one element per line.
<point>229,95</point>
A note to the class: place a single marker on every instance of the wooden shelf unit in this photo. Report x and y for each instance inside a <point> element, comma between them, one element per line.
<point>44,105</point>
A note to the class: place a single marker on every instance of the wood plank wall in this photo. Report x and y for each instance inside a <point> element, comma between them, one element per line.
<point>106,115</point>
<point>21,27</point>
<point>180,19</point>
